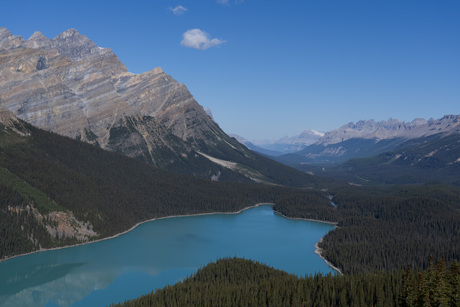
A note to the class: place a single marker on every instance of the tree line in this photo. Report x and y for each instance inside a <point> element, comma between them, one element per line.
<point>384,228</point>
<point>240,282</point>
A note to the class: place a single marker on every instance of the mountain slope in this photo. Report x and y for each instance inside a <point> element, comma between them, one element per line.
<point>55,190</point>
<point>369,138</point>
<point>421,160</point>
<point>71,86</point>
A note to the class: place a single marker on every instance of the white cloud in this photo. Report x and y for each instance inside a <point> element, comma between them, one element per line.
<point>227,2</point>
<point>178,10</point>
<point>198,39</point>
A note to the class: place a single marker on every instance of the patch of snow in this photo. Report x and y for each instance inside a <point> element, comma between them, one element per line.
<point>230,145</point>
<point>431,154</point>
<point>227,164</point>
<point>316,132</point>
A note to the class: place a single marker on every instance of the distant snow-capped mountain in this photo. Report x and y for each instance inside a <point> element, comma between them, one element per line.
<point>368,138</point>
<point>255,148</point>
<point>290,144</point>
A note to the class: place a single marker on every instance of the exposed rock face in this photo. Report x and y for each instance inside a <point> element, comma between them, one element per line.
<point>8,40</point>
<point>10,123</point>
<point>67,226</point>
<point>62,225</point>
<point>71,86</point>
<point>392,128</point>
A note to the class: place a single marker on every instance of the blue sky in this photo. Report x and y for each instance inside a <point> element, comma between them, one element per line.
<point>270,68</point>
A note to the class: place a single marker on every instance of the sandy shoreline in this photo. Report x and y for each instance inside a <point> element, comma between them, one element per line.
<point>317,251</point>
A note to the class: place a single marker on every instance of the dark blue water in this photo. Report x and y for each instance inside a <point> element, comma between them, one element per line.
<point>156,254</point>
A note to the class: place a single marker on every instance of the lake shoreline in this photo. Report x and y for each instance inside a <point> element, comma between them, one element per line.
<point>317,251</point>
<point>134,227</point>
<point>305,219</point>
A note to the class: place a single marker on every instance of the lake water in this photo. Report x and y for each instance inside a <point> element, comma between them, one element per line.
<point>156,254</point>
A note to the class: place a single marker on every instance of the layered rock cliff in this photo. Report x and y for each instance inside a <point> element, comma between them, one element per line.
<point>71,86</point>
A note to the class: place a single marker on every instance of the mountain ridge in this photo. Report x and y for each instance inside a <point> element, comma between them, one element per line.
<point>368,138</point>
<point>391,128</point>
<point>71,86</point>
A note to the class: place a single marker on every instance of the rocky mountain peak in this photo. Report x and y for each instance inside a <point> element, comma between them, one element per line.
<point>37,36</point>
<point>310,132</point>
<point>418,122</point>
<point>8,40</point>
<point>4,34</point>
<point>69,33</point>
<point>448,123</point>
<point>76,46</point>
<point>37,41</point>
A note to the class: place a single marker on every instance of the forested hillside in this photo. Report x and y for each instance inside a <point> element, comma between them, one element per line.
<point>385,228</point>
<point>106,192</point>
<point>239,282</point>
<point>417,161</point>
<point>379,228</point>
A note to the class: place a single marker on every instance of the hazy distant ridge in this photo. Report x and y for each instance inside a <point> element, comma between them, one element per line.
<point>391,128</point>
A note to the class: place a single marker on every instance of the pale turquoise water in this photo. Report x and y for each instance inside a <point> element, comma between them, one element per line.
<point>156,254</point>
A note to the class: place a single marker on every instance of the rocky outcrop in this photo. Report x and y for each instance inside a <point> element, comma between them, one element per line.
<point>64,225</point>
<point>10,123</point>
<point>8,40</point>
<point>60,225</point>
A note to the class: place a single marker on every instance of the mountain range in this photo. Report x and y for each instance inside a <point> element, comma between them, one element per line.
<point>389,152</point>
<point>70,86</point>
<point>283,145</point>
<point>368,138</point>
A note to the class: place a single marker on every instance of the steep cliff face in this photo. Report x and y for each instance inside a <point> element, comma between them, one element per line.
<point>71,86</point>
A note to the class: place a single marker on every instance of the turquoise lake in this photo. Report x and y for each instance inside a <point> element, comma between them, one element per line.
<point>159,253</point>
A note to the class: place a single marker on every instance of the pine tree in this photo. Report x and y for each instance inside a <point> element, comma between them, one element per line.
<point>441,294</point>
<point>408,292</point>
